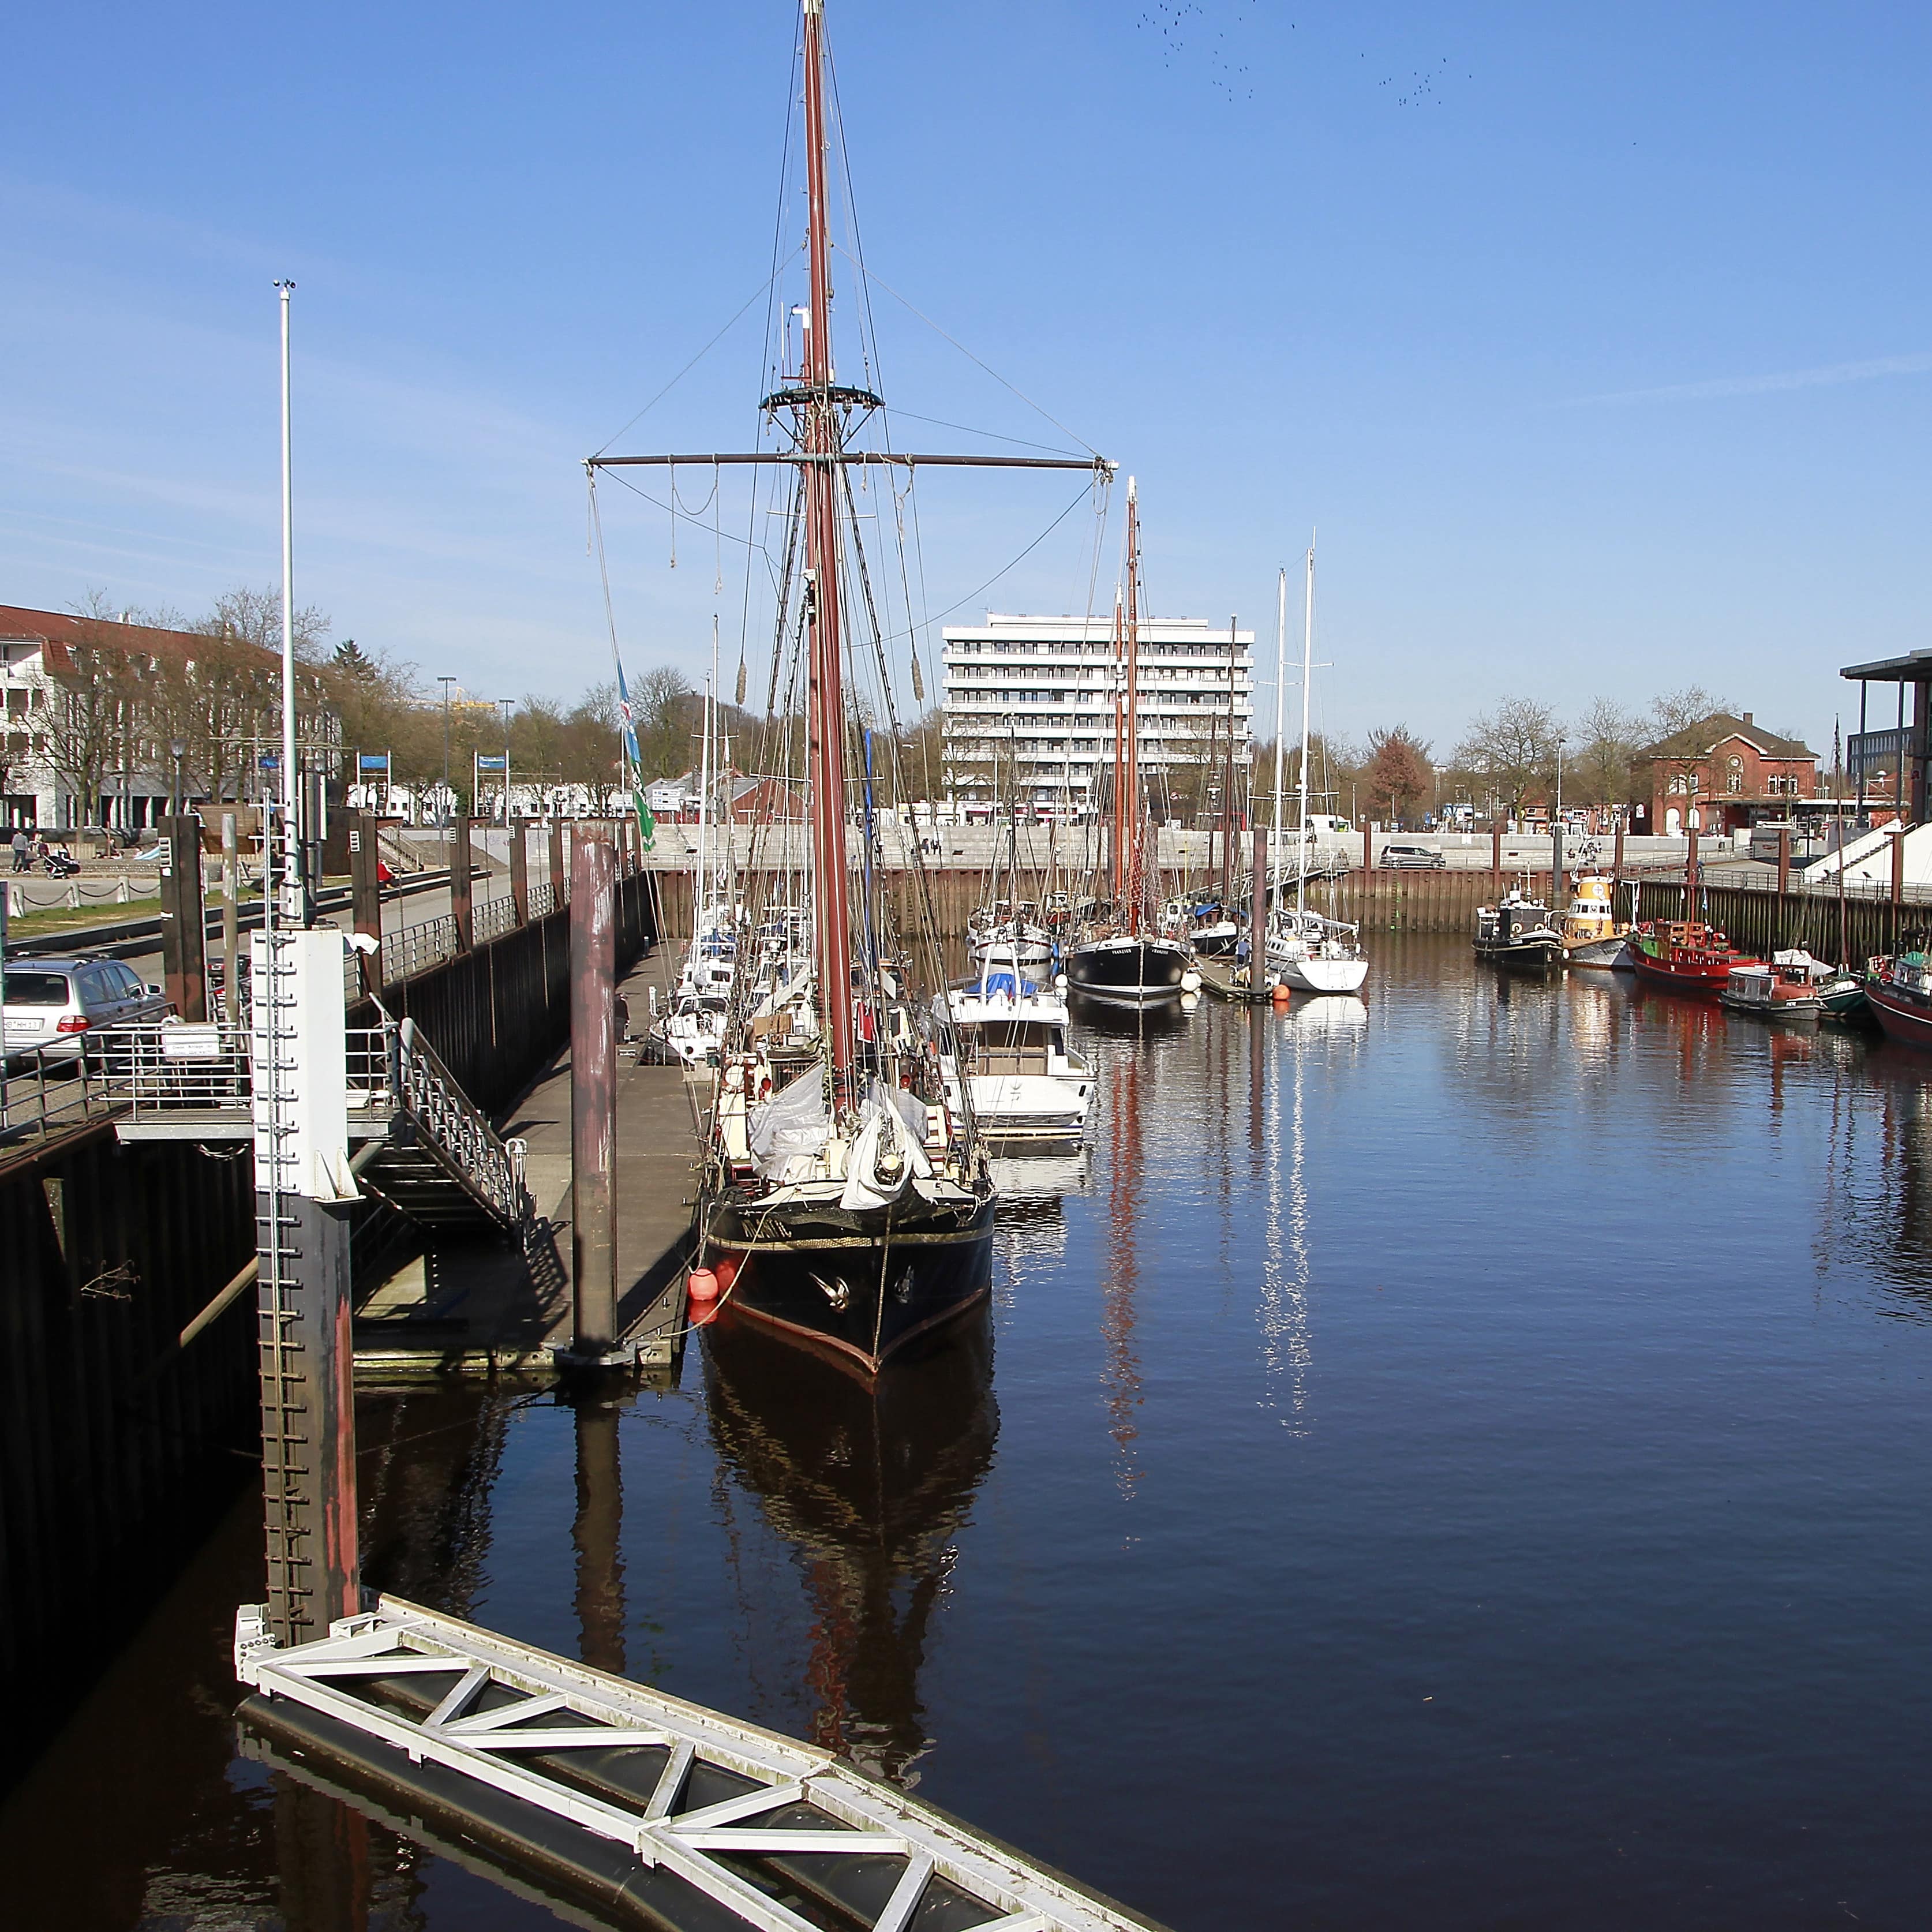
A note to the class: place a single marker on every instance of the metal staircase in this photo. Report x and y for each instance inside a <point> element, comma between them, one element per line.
<point>442,1163</point>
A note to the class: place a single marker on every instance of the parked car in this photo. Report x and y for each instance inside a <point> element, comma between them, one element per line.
<point>53,1004</point>
<point>1417,857</point>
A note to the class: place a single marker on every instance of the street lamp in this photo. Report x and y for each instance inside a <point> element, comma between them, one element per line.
<point>443,804</point>
<point>179,748</point>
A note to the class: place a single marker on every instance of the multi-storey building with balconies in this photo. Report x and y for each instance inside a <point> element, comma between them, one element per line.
<point>1029,704</point>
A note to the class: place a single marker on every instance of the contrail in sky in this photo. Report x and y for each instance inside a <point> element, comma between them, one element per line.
<point>1830,373</point>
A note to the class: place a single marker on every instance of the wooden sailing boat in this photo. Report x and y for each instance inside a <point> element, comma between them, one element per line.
<point>841,1203</point>
<point>1117,955</point>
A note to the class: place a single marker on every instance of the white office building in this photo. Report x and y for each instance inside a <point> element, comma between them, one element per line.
<point>1032,699</point>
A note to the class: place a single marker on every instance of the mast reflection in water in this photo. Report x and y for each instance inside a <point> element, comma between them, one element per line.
<point>872,1485</point>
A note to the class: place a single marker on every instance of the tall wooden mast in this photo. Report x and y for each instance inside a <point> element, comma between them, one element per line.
<point>1136,881</point>
<point>1117,850</point>
<point>822,438</point>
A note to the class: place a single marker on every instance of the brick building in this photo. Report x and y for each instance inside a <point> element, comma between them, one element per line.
<point>1722,774</point>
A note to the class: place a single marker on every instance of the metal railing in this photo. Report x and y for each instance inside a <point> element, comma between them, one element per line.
<point>48,1090</point>
<point>417,948</point>
<point>491,1168</point>
<point>492,920</point>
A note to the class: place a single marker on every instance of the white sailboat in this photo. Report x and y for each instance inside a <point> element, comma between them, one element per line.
<point>1306,950</point>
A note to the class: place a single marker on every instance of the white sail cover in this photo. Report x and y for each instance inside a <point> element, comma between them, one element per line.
<point>794,1122</point>
<point>888,1152</point>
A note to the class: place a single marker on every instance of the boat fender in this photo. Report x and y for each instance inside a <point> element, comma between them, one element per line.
<point>1281,994</point>
<point>702,1291</point>
<point>1190,981</point>
<point>1060,982</point>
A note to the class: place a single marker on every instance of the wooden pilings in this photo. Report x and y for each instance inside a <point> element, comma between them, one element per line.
<point>593,1097</point>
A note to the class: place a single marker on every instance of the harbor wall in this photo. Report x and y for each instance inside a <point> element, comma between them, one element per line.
<point>1756,918</point>
<point>118,1446</point>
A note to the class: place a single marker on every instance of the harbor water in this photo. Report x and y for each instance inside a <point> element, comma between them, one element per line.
<point>1455,1459</point>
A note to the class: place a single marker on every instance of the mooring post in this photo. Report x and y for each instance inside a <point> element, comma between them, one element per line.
<point>183,920</point>
<point>365,895</point>
<point>1897,877</point>
<point>593,1099</point>
<point>598,1533</point>
<point>559,889</point>
<point>1617,863</point>
<point>1257,917</point>
<point>459,884</point>
<point>1783,869</point>
<point>1556,865</point>
<point>519,870</point>
<point>304,1196</point>
<point>1495,860</point>
<point>231,919</point>
<point>1690,876</point>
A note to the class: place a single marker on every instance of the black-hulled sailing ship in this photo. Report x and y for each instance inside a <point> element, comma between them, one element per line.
<point>841,1204</point>
<point>1118,954</point>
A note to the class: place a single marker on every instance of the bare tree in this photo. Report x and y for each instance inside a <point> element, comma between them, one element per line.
<point>1512,750</point>
<point>1597,771</point>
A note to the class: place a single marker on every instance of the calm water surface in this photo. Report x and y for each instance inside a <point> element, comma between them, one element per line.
<point>1459,1461</point>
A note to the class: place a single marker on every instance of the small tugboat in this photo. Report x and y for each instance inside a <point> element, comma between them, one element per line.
<point>1591,936</point>
<point>1898,992</point>
<point>1517,931</point>
<point>1685,956</point>
<point>1789,989</point>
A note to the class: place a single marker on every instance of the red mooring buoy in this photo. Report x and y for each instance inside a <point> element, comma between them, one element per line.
<point>701,1291</point>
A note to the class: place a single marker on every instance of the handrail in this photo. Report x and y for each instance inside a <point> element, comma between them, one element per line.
<point>490,1169</point>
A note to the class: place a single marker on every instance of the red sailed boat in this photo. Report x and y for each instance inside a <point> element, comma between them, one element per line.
<point>1685,956</point>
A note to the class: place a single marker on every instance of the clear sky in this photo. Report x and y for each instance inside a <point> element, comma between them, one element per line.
<point>1595,340</point>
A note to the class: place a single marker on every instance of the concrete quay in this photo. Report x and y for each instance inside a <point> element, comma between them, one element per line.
<point>479,1306</point>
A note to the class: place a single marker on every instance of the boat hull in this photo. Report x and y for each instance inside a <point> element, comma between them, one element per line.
<point>1543,955</point>
<point>1131,972</point>
<point>1903,1018</point>
<point>1607,953</point>
<point>1787,1013</point>
<point>1681,977</point>
<point>1314,975</point>
<point>859,1287</point>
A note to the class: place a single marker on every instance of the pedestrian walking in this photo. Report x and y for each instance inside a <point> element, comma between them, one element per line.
<point>21,847</point>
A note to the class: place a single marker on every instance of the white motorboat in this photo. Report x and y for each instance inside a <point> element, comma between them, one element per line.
<point>1008,1044</point>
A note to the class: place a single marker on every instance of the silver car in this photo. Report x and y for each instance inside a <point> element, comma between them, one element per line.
<point>54,1004</point>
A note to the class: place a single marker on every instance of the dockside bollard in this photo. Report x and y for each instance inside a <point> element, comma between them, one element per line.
<point>593,1102</point>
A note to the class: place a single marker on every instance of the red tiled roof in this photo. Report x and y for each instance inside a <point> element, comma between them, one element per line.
<point>61,630</point>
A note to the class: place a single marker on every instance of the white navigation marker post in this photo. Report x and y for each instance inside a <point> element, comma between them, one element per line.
<point>294,897</point>
<point>303,1188</point>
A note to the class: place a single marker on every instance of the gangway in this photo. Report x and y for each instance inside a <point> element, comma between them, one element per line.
<point>427,1149</point>
<point>722,1824</point>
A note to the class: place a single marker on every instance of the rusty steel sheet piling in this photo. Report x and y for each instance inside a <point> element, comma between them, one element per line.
<point>593,1099</point>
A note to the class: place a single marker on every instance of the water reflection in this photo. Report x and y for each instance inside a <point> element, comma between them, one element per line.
<point>872,1487</point>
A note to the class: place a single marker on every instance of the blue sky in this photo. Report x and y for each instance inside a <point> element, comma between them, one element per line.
<point>1595,341</point>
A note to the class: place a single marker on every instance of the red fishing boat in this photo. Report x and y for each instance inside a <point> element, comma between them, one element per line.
<point>1685,956</point>
<point>1898,991</point>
